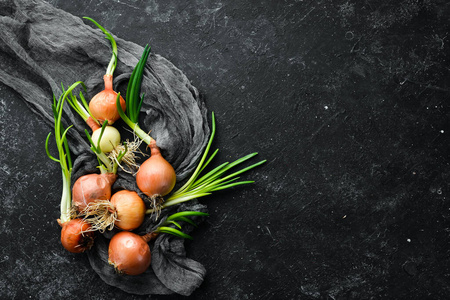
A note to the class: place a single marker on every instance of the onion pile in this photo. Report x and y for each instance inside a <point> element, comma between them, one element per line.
<point>93,204</point>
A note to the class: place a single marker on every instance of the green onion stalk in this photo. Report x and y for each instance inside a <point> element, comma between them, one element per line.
<point>64,158</point>
<point>175,220</point>
<point>76,234</point>
<point>82,108</point>
<point>134,100</point>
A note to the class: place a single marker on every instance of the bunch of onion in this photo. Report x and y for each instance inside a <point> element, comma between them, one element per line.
<point>90,190</point>
<point>155,177</point>
<point>103,105</point>
<point>76,234</point>
<point>92,193</point>
<point>110,152</point>
<point>129,253</point>
<point>215,180</point>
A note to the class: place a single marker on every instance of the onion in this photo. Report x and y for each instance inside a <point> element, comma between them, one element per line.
<point>109,140</point>
<point>156,177</point>
<point>129,253</point>
<point>76,236</point>
<point>103,105</point>
<point>130,209</point>
<point>91,187</point>
<point>126,211</point>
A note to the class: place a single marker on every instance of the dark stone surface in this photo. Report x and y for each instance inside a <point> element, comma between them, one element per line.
<point>349,103</point>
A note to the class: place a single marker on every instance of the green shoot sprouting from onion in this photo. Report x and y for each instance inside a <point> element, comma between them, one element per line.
<point>103,104</point>
<point>155,177</point>
<point>105,140</point>
<point>214,180</point>
<point>111,136</point>
<point>75,233</point>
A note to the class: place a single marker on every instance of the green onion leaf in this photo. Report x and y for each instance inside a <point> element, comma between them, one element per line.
<point>179,215</point>
<point>187,221</point>
<point>113,62</point>
<point>48,151</point>
<point>174,232</point>
<point>175,223</point>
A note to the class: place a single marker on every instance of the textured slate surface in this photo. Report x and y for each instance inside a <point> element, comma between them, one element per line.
<point>348,101</point>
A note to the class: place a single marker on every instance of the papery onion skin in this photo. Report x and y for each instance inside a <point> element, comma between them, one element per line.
<point>91,187</point>
<point>76,237</point>
<point>129,253</point>
<point>103,105</point>
<point>156,176</point>
<point>130,209</point>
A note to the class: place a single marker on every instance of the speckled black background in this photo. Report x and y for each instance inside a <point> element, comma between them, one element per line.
<point>349,103</point>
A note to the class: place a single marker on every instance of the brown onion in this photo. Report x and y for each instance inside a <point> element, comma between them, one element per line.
<point>129,253</point>
<point>103,105</point>
<point>76,236</point>
<point>91,187</point>
<point>156,177</point>
<point>130,209</point>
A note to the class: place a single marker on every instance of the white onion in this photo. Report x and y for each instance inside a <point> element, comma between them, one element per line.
<point>110,138</point>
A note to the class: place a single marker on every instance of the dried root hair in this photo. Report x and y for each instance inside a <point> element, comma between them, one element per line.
<point>101,214</point>
<point>128,153</point>
<point>156,203</point>
<point>73,212</point>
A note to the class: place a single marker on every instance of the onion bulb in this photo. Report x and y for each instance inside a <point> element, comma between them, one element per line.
<point>76,236</point>
<point>156,177</point>
<point>92,187</point>
<point>129,253</point>
<point>103,105</point>
<point>130,209</point>
<point>126,211</point>
<point>109,140</point>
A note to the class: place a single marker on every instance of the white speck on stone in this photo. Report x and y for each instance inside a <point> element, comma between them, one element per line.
<point>408,240</point>
<point>326,107</point>
<point>442,131</point>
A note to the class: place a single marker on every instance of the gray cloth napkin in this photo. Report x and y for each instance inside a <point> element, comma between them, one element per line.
<point>42,47</point>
